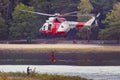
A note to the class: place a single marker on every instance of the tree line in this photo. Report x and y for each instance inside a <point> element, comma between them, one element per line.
<point>15,24</point>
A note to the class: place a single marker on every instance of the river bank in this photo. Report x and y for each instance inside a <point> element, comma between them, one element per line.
<point>60,47</point>
<point>36,76</point>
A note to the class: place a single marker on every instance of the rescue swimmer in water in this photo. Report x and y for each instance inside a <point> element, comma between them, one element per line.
<point>52,57</point>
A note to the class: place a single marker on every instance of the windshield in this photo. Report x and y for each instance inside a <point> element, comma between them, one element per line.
<point>45,27</point>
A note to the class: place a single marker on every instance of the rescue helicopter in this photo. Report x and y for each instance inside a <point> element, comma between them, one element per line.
<point>56,24</point>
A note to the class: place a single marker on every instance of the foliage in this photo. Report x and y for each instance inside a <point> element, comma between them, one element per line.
<point>94,32</point>
<point>110,33</point>
<point>36,76</point>
<point>3,29</point>
<point>102,5</point>
<point>3,4</point>
<point>54,6</point>
<point>3,26</point>
<point>113,22</point>
<point>24,24</point>
<point>84,33</point>
<point>83,8</point>
<point>113,17</point>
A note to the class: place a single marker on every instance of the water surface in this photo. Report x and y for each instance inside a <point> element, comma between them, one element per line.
<point>91,72</point>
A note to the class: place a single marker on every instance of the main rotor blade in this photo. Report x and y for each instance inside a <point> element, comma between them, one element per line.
<point>66,14</point>
<point>84,15</point>
<point>44,14</point>
<point>70,16</point>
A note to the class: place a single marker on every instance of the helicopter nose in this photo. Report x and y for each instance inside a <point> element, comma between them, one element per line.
<point>40,29</point>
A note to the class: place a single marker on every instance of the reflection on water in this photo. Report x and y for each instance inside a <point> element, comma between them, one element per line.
<point>59,62</point>
<point>91,72</point>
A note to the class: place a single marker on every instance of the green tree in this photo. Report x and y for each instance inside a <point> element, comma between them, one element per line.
<point>84,33</point>
<point>6,8</point>
<point>3,29</point>
<point>113,22</point>
<point>3,4</point>
<point>103,5</point>
<point>85,7</point>
<point>24,24</point>
<point>55,6</point>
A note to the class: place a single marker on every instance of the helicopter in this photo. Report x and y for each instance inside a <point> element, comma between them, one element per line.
<point>57,25</point>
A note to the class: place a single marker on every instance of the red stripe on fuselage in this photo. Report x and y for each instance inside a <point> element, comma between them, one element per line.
<point>80,24</point>
<point>61,33</point>
<point>43,31</point>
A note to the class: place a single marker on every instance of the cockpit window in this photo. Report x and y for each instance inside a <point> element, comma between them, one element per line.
<point>49,26</point>
<point>58,20</point>
<point>62,26</point>
<point>44,27</point>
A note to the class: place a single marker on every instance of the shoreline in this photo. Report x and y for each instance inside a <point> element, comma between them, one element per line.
<point>36,76</point>
<point>60,47</point>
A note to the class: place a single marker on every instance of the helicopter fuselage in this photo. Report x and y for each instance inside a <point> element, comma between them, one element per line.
<point>58,25</point>
<point>55,25</point>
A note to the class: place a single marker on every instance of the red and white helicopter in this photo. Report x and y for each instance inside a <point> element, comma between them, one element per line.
<point>58,25</point>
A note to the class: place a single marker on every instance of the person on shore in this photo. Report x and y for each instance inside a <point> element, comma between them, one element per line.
<point>28,70</point>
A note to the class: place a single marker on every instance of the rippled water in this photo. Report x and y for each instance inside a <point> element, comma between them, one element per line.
<point>91,72</point>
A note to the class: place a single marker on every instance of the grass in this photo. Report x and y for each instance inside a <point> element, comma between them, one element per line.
<point>36,76</point>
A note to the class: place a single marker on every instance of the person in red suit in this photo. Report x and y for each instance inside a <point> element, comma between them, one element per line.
<point>52,57</point>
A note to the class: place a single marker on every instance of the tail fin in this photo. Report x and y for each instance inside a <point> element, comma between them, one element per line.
<point>91,21</point>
